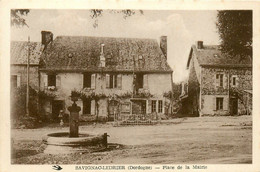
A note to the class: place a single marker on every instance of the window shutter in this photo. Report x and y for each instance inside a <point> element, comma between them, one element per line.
<point>145,81</point>
<point>119,81</point>
<point>18,80</point>
<point>217,79</point>
<point>149,109</point>
<point>45,80</point>
<point>93,81</point>
<point>224,81</point>
<point>58,81</point>
<point>107,80</point>
<point>237,81</point>
<point>225,104</point>
<point>93,107</point>
<point>214,104</point>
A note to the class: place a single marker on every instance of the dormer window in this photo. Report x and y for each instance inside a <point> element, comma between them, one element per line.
<point>140,57</point>
<point>215,55</point>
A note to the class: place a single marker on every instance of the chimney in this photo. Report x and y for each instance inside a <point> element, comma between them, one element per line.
<point>199,44</point>
<point>47,37</point>
<point>163,45</point>
<point>102,56</point>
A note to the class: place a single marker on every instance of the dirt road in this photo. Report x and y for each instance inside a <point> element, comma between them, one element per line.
<point>206,140</point>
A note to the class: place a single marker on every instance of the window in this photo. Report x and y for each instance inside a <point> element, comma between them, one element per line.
<point>87,80</point>
<point>112,81</point>
<point>219,78</point>
<point>87,106</point>
<point>153,105</point>
<point>234,80</point>
<point>219,103</point>
<point>52,80</point>
<point>140,80</point>
<point>160,106</point>
<point>14,81</point>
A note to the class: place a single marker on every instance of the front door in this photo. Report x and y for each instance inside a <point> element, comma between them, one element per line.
<point>57,105</point>
<point>233,106</point>
<point>113,109</point>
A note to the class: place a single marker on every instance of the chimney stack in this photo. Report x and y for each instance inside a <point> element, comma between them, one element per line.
<point>47,37</point>
<point>199,44</point>
<point>163,45</point>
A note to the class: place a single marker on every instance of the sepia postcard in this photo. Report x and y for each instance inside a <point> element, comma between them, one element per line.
<point>129,86</point>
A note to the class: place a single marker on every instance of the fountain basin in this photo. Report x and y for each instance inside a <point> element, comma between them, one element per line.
<point>61,143</point>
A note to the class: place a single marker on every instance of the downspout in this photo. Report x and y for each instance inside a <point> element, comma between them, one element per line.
<point>172,94</point>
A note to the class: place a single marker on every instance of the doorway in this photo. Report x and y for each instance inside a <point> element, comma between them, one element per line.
<point>113,109</point>
<point>57,105</point>
<point>233,106</point>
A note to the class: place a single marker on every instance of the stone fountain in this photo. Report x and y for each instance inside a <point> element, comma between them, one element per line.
<point>73,141</point>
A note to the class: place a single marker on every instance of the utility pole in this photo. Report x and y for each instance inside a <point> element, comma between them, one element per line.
<point>27,88</point>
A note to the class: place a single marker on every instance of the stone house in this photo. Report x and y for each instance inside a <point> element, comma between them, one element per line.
<point>129,75</point>
<point>18,69</point>
<point>218,84</point>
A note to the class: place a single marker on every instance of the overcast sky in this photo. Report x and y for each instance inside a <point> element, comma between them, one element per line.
<point>182,28</point>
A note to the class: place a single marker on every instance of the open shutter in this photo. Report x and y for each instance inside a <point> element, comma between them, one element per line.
<point>225,104</point>
<point>45,80</point>
<point>119,81</point>
<point>224,81</point>
<point>93,81</point>
<point>149,109</point>
<point>145,81</point>
<point>107,80</point>
<point>214,104</point>
<point>93,107</point>
<point>237,81</point>
<point>217,79</point>
<point>18,80</point>
<point>58,81</point>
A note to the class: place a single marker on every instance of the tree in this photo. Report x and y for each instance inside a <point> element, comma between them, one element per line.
<point>235,31</point>
<point>17,17</point>
<point>95,13</point>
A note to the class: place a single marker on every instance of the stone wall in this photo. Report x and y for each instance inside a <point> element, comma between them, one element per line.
<point>210,89</point>
<point>21,70</point>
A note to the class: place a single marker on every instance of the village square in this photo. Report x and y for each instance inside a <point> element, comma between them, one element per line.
<point>129,99</point>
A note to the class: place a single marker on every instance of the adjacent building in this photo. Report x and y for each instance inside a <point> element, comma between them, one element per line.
<point>218,84</point>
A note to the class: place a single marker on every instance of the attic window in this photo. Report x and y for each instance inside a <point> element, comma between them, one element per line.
<point>140,57</point>
<point>215,55</point>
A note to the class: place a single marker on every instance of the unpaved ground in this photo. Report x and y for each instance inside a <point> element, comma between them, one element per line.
<point>207,140</point>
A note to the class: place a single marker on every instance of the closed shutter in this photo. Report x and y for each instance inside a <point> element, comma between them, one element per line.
<point>18,80</point>
<point>214,105</point>
<point>93,81</point>
<point>45,80</point>
<point>107,80</point>
<point>119,81</point>
<point>149,109</point>
<point>145,81</point>
<point>93,107</point>
<point>58,82</point>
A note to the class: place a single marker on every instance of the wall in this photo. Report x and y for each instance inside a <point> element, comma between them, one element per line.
<point>210,90</point>
<point>22,71</point>
<point>159,83</point>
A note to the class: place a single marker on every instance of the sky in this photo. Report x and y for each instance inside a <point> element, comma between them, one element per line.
<point>182,28</point>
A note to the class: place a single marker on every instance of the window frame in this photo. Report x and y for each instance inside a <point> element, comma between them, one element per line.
<point>85,77</point>
<point>219,103</point>
<point>160,106</point>
<point>154,102</point>
<point>49,80</point>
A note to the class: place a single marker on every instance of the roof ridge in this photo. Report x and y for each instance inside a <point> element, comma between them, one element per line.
<point>103,37</point>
